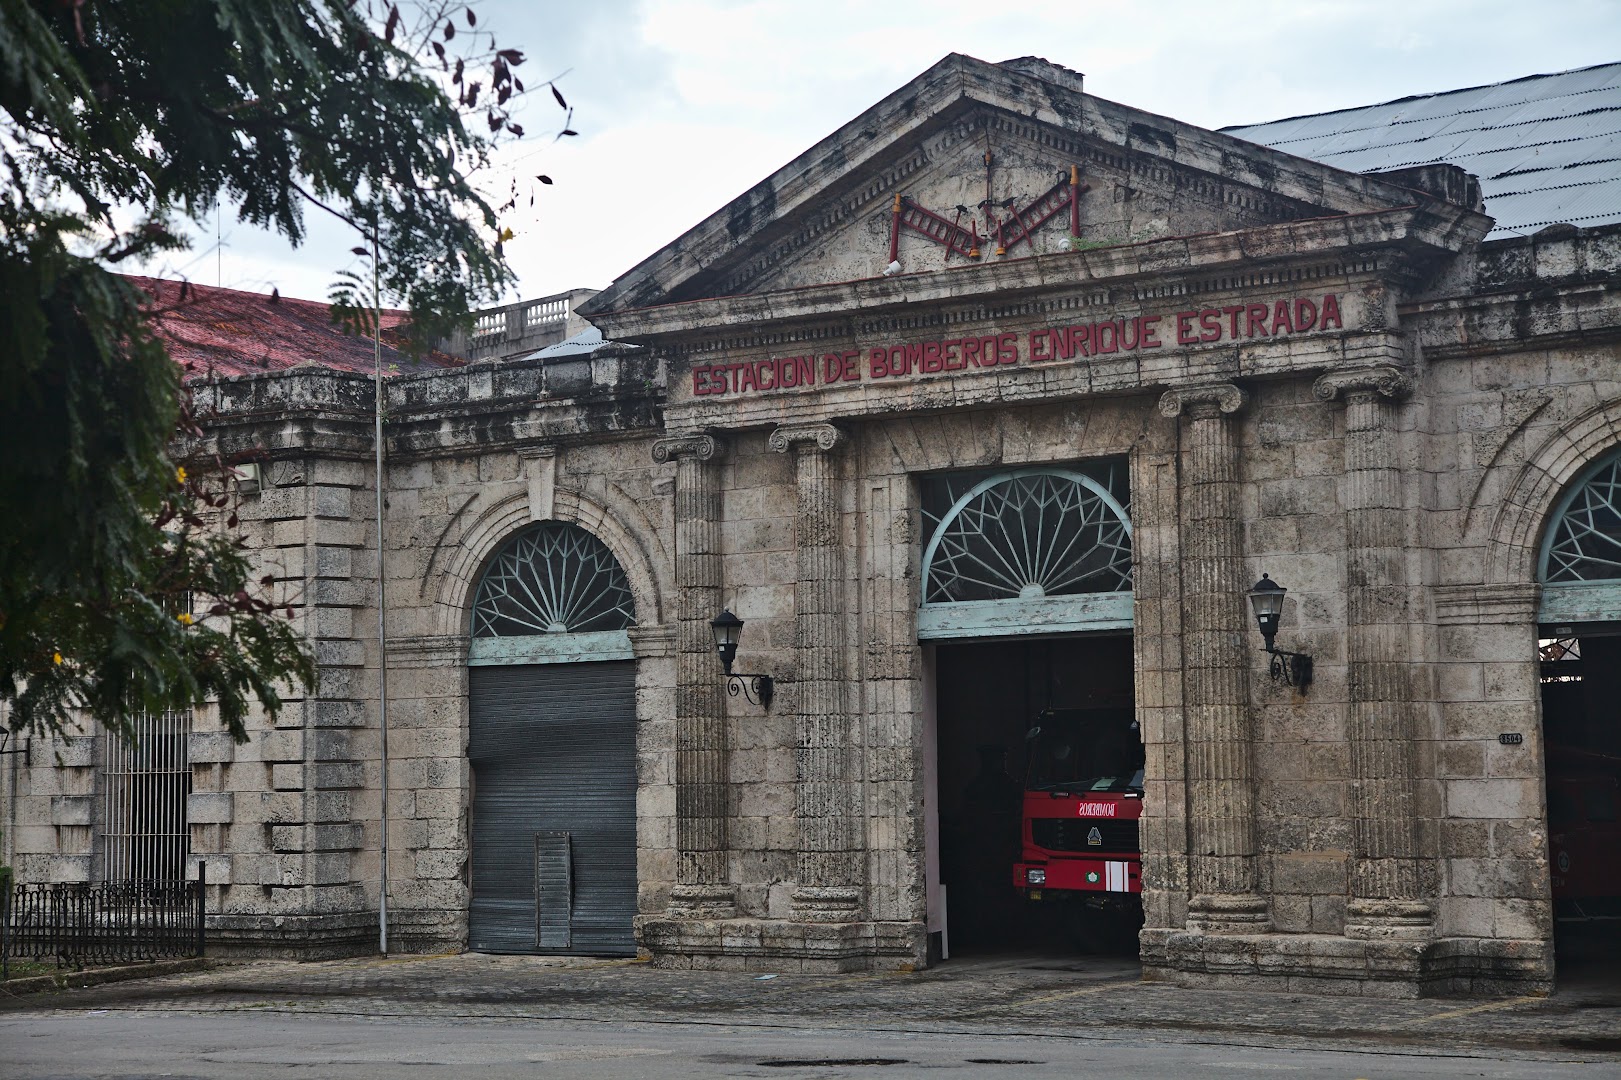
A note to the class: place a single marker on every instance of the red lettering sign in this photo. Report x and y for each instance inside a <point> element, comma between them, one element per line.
<point>1085,341</point>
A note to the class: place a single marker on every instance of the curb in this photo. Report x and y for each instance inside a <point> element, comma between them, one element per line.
<point>76,980</point>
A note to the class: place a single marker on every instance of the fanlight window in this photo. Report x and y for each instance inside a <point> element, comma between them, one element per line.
<point>1585,541</point>
<point>1028,535</point>
<point>552,578</point>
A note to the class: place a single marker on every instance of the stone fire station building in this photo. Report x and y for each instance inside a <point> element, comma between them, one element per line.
<point>998,399</point>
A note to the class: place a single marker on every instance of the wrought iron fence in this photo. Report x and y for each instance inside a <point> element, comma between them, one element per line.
<point>115,922</point>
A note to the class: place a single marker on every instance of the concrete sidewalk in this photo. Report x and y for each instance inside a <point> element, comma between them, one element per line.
<point>1057,997</point>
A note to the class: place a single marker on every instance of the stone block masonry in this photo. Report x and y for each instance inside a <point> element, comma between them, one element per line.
<point>1325,377</point>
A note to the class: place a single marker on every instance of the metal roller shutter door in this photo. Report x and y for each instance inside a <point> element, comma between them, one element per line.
<point>553,751</point>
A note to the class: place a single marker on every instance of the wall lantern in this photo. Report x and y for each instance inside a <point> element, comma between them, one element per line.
<point>756,689</point>
<point>1292,668</point>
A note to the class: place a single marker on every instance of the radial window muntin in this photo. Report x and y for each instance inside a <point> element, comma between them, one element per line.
<point>1027,534</point>
<point>1583,542</point>
<point>552,578</point>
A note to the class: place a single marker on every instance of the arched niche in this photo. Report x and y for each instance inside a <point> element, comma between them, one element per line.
<point>1028,551</point>
<point>1579,561</point>
<point>458,565</point>
<point>551,593</point>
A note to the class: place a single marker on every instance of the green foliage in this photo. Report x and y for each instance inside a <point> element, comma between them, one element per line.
<point>110,546</point>
<point>284,105</point>
<point>124,587</point>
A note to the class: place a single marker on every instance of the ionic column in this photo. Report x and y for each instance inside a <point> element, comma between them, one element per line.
<point>702,889</point>
<point>1221,817</point>
<point>1388,897</point>
<point>826,759</point>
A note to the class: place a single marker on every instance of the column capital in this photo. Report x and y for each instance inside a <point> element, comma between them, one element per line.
<point>1386,380</point>
<point>821,437</point>
<point>1206,401</point>
<point>653,640</point>
<point>698,445</point>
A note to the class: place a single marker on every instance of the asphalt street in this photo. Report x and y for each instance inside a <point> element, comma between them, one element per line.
<point>473,1015</point>
<point>97,1043</point>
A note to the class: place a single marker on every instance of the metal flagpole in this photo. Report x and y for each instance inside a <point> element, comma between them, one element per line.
<point>382,600</point>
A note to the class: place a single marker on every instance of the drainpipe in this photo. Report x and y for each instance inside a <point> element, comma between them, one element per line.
<point>382,599</point>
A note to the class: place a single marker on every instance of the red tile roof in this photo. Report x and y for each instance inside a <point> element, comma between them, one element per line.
<point>228,332</point>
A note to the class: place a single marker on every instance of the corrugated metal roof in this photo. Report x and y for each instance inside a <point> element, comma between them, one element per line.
<point>1547,148</point>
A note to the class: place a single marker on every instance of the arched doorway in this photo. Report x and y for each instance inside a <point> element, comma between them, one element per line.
<point>1580,653</point>
<point>1026,619</point>
<point>552,745</point>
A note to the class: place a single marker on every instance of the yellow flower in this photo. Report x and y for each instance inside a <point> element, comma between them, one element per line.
<point>185,618</point>
<point>180,474</point>
<point>57,657</point>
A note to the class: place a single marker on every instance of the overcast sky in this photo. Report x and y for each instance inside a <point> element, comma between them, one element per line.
<point>681,105</point>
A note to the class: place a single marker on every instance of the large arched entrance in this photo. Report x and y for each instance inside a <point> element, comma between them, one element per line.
<point>1580,632</point>
<point>552,745</point>
<point>1026,619</point>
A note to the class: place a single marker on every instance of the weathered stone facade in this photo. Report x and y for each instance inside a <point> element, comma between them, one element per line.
<point>1329,379</point>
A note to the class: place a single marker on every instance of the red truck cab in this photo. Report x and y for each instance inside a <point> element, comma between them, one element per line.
<point>1082,841</point>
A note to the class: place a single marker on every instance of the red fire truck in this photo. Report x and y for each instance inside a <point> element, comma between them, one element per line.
<point>1083,800</point>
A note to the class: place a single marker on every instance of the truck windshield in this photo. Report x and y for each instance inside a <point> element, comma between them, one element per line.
<point>1085,750</point>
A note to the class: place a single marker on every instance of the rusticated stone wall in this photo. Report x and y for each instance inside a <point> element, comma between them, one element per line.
<point>1371,833</point>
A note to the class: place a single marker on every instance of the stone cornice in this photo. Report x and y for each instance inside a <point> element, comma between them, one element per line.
<point>1033,291</point>
<point>1577,314</point>
<point>820,437</point>
<point>1174,264</point>
<point>1457,605</point>
<point>700,446</point>
<point>1215,398</point>
<point>434,649</point>
<point>1385,380</point>
<point>444,411</point>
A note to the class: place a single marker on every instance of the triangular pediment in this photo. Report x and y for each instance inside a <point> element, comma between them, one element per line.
<point>906,188</point>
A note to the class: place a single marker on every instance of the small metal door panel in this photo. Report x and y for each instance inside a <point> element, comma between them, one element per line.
<point>554,890</point>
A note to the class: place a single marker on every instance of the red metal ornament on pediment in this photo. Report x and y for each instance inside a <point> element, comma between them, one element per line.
<point>1016,225</point>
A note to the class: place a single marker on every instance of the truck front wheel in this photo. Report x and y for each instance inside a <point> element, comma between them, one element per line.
<point>1104,930</point>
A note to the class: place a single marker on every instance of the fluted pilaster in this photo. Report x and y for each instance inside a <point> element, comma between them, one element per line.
<point>1389,897</point>
<point>827,772</point>
<point>1220,752</point>
<point>701,785</point>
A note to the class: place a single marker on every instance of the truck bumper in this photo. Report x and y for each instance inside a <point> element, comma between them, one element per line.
<point>1100,875</point>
